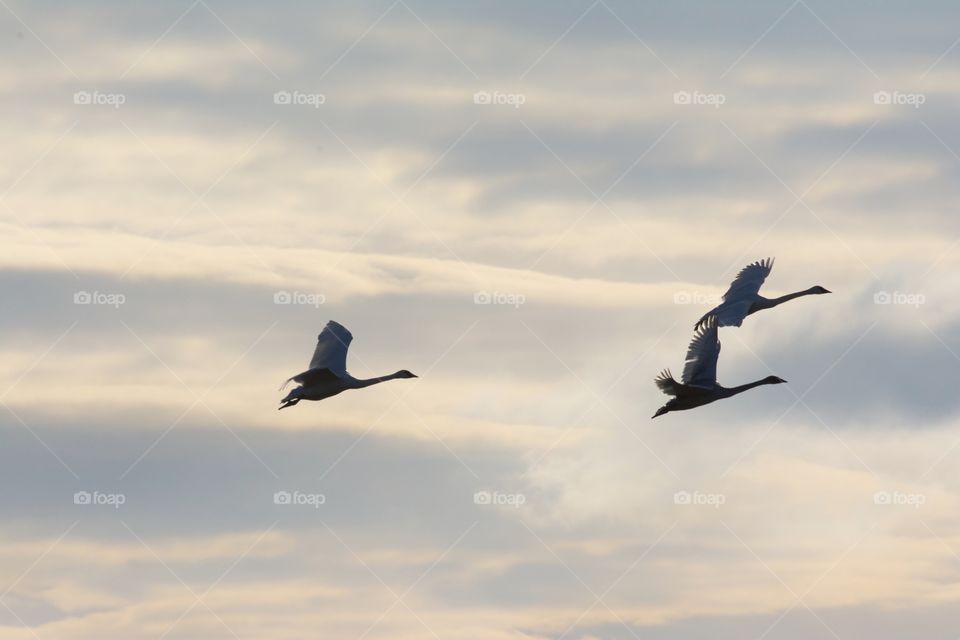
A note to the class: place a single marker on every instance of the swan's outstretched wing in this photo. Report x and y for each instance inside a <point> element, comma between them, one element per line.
<point>331,351</point>
<point>667,384</point>
<point>700,369</point>
<point>747,284</point>
<point>741,295</point>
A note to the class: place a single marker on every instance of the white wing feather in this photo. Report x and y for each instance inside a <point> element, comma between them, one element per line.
<point>743,292</point>
<point>747,284</point>
<point>700,369</point>
<point>731,314</point>
<point>331,351</point>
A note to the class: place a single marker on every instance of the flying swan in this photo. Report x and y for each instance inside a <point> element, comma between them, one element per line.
<point>698,384</point>
<point>327,375</point>
<point>742,298</point>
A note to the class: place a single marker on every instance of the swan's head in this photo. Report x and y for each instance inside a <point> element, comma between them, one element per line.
<point>819,289</point>
<point>403,373</point>
<point>773,380</point>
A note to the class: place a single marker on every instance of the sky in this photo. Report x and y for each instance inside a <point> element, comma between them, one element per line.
<point>528,204</point>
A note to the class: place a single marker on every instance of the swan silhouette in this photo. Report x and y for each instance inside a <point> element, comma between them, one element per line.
<point>327,375</point>
<point>698,384</point>
<point>742,298</point>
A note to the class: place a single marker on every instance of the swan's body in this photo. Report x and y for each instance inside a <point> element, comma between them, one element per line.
<point>698,384</point>
<point>743,298</point>
<point>327,375</point>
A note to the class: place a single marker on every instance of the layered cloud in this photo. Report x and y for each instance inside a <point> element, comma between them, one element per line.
<point>529,206</point>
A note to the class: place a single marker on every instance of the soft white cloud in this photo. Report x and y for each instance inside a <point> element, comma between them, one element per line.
<point>398,201</point>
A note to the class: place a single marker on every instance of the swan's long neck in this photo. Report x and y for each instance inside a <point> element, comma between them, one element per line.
<point>732,391</point>
<point>360,384</point>
<point>766,303</point>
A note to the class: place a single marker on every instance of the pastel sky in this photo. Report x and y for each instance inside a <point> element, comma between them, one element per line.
<point>528,204</point>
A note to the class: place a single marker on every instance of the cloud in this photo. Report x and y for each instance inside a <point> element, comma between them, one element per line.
<point>466,242</point>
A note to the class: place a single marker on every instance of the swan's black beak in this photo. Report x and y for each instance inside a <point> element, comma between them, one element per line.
<point>827,291</point>
<point>660,412</point>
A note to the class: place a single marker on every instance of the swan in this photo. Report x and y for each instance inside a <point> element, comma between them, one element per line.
<point>327,375</point>
<point>742,298</point>
<point>699,381</point>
